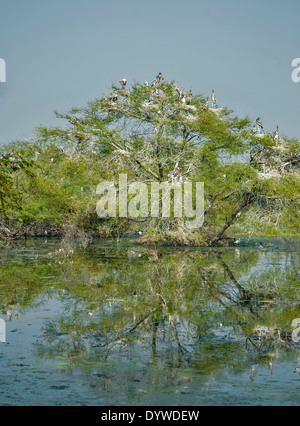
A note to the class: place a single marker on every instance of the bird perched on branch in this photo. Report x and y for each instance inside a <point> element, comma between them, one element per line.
<point>179,93</point>
<point>213,99</point>
<point>259,124</point>
<point>189,96</point>
<point>157,79</point>
<point>183,99</point>
<point>114,97</point>
<point>254,129</point>
<point>276,134</point>
<point>123,83</point>
<point>206,105</point>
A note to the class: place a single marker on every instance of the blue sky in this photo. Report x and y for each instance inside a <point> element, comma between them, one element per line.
<point>63,53</point>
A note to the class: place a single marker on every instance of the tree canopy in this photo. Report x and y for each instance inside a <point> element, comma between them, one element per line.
<point>158,132</point>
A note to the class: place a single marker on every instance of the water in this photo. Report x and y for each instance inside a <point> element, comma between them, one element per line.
<point>127,325</point>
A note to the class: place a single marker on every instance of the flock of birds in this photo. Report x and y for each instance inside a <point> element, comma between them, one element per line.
<point>185,98</point>
<point>259,129</point>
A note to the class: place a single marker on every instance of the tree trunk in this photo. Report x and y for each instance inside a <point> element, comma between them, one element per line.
<point>244,204</point>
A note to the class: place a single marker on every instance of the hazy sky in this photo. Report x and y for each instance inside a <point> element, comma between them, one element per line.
<point>63,53</point>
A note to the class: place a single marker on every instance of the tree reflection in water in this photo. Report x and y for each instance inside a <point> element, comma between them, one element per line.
<point>195,310</point>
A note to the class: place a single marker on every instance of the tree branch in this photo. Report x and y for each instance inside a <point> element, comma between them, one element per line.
<point>244,204</point>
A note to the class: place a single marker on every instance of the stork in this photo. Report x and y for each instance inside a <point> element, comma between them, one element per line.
<point>213,99</point>
<point>276,134</point>
<point>123,83</point>
<point>159,77</point>
<point>259,124</point>
<point>181,95</point>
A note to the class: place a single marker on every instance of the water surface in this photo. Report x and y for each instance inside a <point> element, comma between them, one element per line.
<point>122,324</point>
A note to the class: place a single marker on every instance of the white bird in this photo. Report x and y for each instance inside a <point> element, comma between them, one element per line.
<point>237,242</point>
<point>213,99</point>
<point>123,83</point>
<point>276,134</point>
<point>179,93</point>
<point>206,105</point>
<point>259,124</point>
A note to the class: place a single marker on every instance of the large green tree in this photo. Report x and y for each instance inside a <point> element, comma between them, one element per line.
<point>159,132</point>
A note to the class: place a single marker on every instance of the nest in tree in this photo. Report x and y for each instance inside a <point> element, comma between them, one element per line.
<point>123,92</point>
<point>109,105</point>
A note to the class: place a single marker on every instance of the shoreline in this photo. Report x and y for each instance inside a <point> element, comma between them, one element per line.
<point>70,232</point>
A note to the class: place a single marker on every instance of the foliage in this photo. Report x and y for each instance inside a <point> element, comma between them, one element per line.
<point>157,133</point>
<point>12,165</point>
